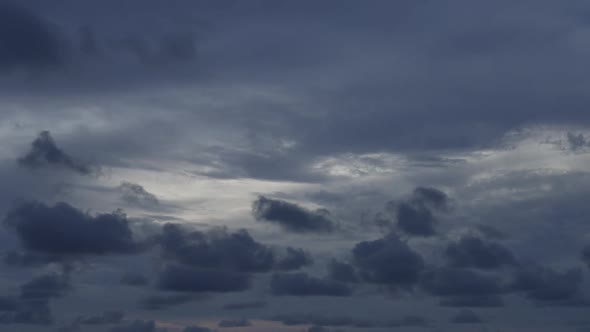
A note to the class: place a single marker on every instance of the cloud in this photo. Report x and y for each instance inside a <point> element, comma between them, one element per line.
<point>45,153</point>
<point>546,286</point>
<point>219,249</point>
<point>28,41</point>
<point>294,259</point>
<point>348,321</point>
<point>134,279</point>
<point>473,252</point>
<point>387,261</point>
<point>133,193</point>
<point>29,313</point>
<point>157,302</point>
<point>197,329</point>
<point>107,317</point>
<point>245,305</point>
<point>136,326</point>
<point>343,272</point>
<point>466,317</point>
<point>459,282</point>
<point>234,323</point>
<point>67,231</point>
<point>188,279</point>
<point>292,217</point>
<point>483,301</point>
<point>45,287</point>
<point>416,215</point>
<point>301,284</point>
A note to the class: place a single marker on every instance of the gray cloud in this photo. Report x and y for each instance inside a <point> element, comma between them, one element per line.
<point>136,326</point>
<point>388,261</point>
<point>45,153</point>
<point>234,323</point>
<point>466,317</point>
<point>301,284</point>
<point>292,217</point>
<point>473,252</point>
<point>64,230</point>
<point>188,279</point>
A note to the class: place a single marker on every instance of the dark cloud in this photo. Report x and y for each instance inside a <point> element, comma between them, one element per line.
<point>586,255</point>
<point>65,230</point>
<point>294,259</point>
<point>416,215</point>
<point>387,261</point>
<point>217,249</point>
<point>197,329</point>
<point>107,317</point>
<point>546,286</point>
<point>483,301</point>
<point>576,142</point>
<point>157,302</point>
<point>466,317</point>
<point>134,279</point>
<point>133,193</point>
<point>28,41</point>
<point>188,279</point>
<point>29,313</point>
<point>136,326</point>
<point>245,305</point>
<point>348,321</point>
<point>459,282</point>
<point>473,252</point>
<point>234,323</point>
<point>45,153</point>
<point>45,287</point>
<point>343,272</point>
<point>292,217</point>
<point>8,303</point>
<point>301,284</point>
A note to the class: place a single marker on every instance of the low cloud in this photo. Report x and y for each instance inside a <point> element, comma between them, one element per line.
<point>292,217</point>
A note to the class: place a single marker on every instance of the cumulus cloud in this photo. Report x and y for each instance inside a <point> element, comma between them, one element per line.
<point>388,261</point>
<point>301,284</point>
<point>294,259</point>
<point>292,217</point>
<point>341,271</point>
<point>44,152</point>
<point>473,252</point>
<point>64,230</point>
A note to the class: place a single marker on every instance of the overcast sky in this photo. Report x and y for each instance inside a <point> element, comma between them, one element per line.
<point>305,166</point>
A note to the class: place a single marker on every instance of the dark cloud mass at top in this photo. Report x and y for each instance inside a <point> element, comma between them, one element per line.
<point>276,165</point>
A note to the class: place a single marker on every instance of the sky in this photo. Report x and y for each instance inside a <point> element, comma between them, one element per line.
<point>296,166</point>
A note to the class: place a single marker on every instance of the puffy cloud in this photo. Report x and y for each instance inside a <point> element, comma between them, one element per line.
<point>546,286</point>
<point>217,249</point>
<point>188,279</point>
<point>388,261</point>
<point>294,259</point>
<point>473,252</point>
<point>65,230</point>
<point>341,271</point>
<point>301,284</point>
<point>292,217</point>
<point>45,153</point>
